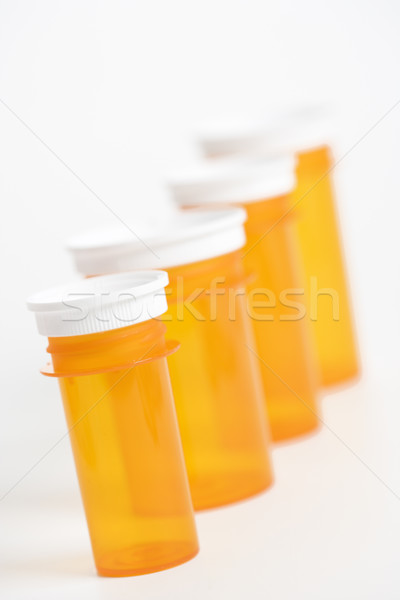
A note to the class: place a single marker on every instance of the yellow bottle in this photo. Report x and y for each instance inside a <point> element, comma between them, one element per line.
<point>109,352</point>
<point>215,377</point>
<point>305,132</point>
<point>323,262</point>
<point>284,342</point>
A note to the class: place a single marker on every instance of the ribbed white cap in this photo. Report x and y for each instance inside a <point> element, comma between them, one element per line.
<point>180,238</point>
<point>305,128</point>
<point>100,303</point>
<point>228,181</point>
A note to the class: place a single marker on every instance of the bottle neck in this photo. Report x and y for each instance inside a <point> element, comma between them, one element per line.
<point>108,350</point>
<point>267,213</point>
<point>202,275</point>
<point>319,159</point>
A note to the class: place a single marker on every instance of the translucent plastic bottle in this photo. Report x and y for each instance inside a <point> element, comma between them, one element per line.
<point>215,377</point>
<point>323,261</point>
<point>306,132</point>
<point>277,297</point>
<point>109,352</point>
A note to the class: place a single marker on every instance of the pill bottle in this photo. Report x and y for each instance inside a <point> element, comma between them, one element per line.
<point>307,132</point>
<point>109,353</point>
<point>276,300</point>
<point>215,377</point>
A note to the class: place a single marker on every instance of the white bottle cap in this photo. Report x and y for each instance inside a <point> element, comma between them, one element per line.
<point>100,303</point>
<point>180,238</point>
<point>230,181</point>
<point>296,130</point>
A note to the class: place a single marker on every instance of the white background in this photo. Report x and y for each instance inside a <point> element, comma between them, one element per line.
<point>114,89</point>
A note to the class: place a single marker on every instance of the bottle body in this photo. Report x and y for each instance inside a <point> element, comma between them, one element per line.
<point>329,307</point>
<point>125,440</point>
<point>277,306</point>
<point>216,382</point>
